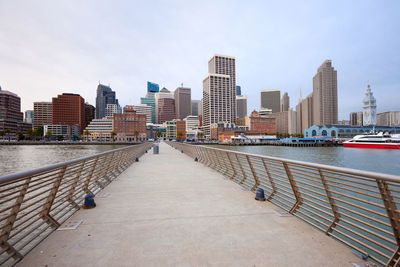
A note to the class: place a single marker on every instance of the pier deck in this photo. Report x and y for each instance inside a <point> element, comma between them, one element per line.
<point>168,210</point>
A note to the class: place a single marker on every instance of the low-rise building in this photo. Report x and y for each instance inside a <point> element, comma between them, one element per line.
<point>260,124</point>
<point>345,131</point>
<point>130,126</point>
<point>192,122</point>
<point>100,129</point>
<point>66,131</point>
<point>170,130</point>
<point>390,118</point>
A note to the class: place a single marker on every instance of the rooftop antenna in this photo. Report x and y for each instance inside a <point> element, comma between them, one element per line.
<point>181,84</point>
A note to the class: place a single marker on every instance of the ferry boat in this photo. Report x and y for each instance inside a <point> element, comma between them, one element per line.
<point>380,140</point>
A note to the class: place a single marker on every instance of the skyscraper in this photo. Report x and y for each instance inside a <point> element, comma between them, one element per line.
<point>183,102</point>
<point>150,101</point>
<point>90,112</point>
<point>166,110</point>
<point>28,116</point>
<point>241,106</point>
<point>356,118</point>
<point>104,96</point>
<point>369,108</point>
<point>285,102</point>
<point>141,109</point>
<point>42,114</point>
<point>69,109</point>
<point>152,88</point>
<point>219,92</point>
<point>10,111</point>
<point>195,107</point>
<point>164,93</point>
<point>325,102</point>
<point>271,99</point>
<point>238,90</point>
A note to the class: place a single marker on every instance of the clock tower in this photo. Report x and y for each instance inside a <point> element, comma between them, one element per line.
<point>369,108</point>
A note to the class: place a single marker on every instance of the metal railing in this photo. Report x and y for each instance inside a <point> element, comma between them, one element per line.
<point>358,208</point>
<point>34,203</point>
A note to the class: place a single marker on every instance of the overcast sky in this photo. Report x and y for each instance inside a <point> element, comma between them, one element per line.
<point>52,47</point>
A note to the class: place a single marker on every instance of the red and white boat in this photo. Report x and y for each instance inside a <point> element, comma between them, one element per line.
<point>380,140</point>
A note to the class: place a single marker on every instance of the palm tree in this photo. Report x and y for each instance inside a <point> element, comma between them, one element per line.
<point>86,133</point>
<point>113,134</point>
<point>159,134</point>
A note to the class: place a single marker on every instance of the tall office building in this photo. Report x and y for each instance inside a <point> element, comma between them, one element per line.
<point>183,102</point>
<point>104,96</point>
<point>219,92</point>
<point>195,107</point>
<point>90,113</point>
<point>42,114</point>
<point>369,108</point>
<point>271,99</point>
<point>166,110</point>
<point>28,116</point>
<point>69,109</point>
<point>112,109</point>
<point>325,101</point>
<point>238,90</point>
<point>356,118</point>
<point>142,109</point>
<point>241,106</point>
<point>10,111</point>
<point>150,101</point>
<point>285,102</point>
<point>152,88</point>
<point>164,93</point>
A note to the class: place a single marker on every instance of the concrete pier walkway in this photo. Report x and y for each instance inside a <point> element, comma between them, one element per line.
<point>168,210</point>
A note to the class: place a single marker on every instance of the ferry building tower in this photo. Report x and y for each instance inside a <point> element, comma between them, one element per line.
<point>369,108</point>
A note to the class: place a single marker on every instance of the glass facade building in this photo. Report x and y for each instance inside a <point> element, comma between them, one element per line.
<point>152,103</point>
<point>153,87</point>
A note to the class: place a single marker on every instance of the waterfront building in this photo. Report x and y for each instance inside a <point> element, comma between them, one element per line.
<point>104,96</point>
<point>166,104</point>
<point>292,121</point>
<point>150,101</point>
<point>130,126</point>
<point>170,130</point>
<point>369,108</point>
<point>238,90</point>
<point>285,104</point>
<point>141,109</point>
<point>183,102</point>
<point>100,129</point>
<point>192,122</point>
<point>11,117</point>
<point>271,99</point>
<point>389,118</point>
<point>180,130</point>
<point>28,116</point>
<point>195,107</point>
<point>260,124</point>
<point>112,109</point>
<point>325,101</point>
<point>90,113</point>
<point>219,92</point>
<point>69,109</point>
<point>346,131</point>
<point>241,106</point>
<point>66,131</point>
<point>344,122</point>
<point>42,114</point>
<point>356,118</point>
<point>166,110</point>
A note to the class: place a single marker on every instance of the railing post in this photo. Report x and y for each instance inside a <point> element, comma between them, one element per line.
<point>241,168</point>
<point>332,203</point>
<point>219,163</point>
<point>271,181</point>
<point>74,184</point>
<point>233,166</point>
<point>294,188</point>
<point>87,182</point>
<point>256,181</point>
<point>7,228</point>
<point>45,213</point>
<point>393,217</point>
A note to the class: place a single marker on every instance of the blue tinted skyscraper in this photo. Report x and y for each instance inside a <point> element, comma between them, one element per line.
<point>238,90</point>
<point>104,96</point>
<point>150,101</point>
<point>153,87</point>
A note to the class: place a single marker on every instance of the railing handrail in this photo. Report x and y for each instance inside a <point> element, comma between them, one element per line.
<point>23,174</point>
<point>370,174</point>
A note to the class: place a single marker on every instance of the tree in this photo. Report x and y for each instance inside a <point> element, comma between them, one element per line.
<point>180,135</point>
<point>39,132</point>
<point>20,136</point>
<point>30,133</point>
<point>2,133</point>
<point>159,134</point>
<point>48,134</point>
<point>136,134</point>
<point>86,133</point>
<point>113,134</point>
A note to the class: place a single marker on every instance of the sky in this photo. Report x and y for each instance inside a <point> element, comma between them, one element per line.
<point>52,47</point>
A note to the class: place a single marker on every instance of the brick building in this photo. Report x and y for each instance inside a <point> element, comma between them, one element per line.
<point>69,109</point>
<point>260,125</point>
<point>166,110</point>
<point>130,126</point>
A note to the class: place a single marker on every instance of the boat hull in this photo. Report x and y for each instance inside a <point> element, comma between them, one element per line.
<point>371,145</point>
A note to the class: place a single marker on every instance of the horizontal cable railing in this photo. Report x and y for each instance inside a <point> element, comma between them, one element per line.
<point>34,203</point>
<point>358,208</point>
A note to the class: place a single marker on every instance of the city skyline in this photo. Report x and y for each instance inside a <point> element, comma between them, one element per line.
<point>73,53</point>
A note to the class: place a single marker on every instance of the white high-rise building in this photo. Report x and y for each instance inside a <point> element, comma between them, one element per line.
<point>112,109</point>
<point>219,92</point>
<point>369,108</point>
<point>192,122</point>
<point>141,109</point>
